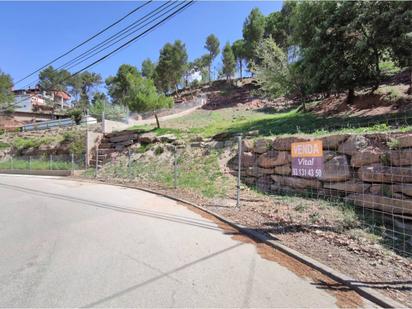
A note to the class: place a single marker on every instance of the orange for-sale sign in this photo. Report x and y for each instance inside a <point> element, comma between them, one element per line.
<point>307,149</point>
<point>307,159</point>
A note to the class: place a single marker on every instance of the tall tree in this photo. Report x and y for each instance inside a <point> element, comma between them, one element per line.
<point>398,30</point>
<point>271,68</point>
<point>335,51</point>
<point>51,79</point>
<point>278,24</point>
<point>81,86</point>
<point>142,96</point>
<point>239,52</point>
<point>229,62</point>
<point>148,68</point>
<point>212,46</point>
<point>253,32</point>
<point>118,85</point>
<point>6,93</point>
<point>171,66</point>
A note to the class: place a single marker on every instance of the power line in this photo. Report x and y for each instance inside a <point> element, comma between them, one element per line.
<point>122,34</point>
<point>152,28</point>
<point>135,38</point>
<point>86,41</point>
<point>111,38</point>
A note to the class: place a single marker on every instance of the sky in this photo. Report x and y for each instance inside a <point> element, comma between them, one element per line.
<point>34,33</point>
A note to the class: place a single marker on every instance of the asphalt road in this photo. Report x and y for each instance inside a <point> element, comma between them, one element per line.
<point>72,244</point>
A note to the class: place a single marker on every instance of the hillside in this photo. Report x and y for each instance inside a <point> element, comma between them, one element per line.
<point>238,108</point>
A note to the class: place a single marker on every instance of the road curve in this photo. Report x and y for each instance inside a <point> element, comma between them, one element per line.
<point>74,244</point>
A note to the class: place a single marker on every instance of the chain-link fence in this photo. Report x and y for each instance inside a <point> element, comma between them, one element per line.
<point>362,181</point>
<point>368,176</point>
<point>68,162</point>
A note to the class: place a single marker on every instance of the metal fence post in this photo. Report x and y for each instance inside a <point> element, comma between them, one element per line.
<point>239,139</point>
<point>97,162</point>
<point>128,163</point>
<point>175,168</point>
<point>103,123</point>
<point>29,163</point>
<point>72,159</point>
<point>11,163</point>
<point>50,162</point>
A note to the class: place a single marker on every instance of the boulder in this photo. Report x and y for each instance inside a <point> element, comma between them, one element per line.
<point>264,183</point>
<point>336,169</point>
<point>405,188</point>
<point>256,171</point>
<point>198,145</point>
<point>403,141</point>
<point>273,158</point>
<point>247,159</point>
<point>247,145</point>
<point>283,169</point>
<point>222,136</point>
<point>249,180</point>
<point>385,174</point>
<point>400,157</point>
<point>366,156</point>
<point>378,189</point>
<point>295,182</point>
<point>352,186</point>
<point>178,142</point>
<point>123,137</point>
<point>332,142</point>
<point>216,145</point>
<point>167,138</point>
<point>382,203</point>
<point>148,138</point>
<point>353,144</point>
<point>262,145</point>
<point>197,139</point>
<point>284,143</point>
<point>252,133</point>
<point>229,143</point>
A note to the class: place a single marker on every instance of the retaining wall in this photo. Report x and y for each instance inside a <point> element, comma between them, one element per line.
<point>370,170</point>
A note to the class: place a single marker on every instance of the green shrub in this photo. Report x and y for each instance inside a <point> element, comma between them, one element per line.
<point>75,114</point>
<point>4,145</point>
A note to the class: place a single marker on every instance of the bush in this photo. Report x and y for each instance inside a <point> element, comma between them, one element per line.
<point>75,114</point>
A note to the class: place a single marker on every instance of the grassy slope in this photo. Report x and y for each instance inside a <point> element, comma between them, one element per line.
<point>232,120</point>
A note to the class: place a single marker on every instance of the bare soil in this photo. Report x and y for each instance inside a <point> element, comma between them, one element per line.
<point>388,99</point>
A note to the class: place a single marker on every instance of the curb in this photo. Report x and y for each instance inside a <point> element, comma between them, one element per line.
<point>366,292</point>
<point>63,173</point>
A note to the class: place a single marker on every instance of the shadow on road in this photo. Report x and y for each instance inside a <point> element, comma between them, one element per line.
<point>151,280</point>
<point>152,214</point>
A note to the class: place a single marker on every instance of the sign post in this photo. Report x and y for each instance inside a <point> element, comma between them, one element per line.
<point>307,159</point>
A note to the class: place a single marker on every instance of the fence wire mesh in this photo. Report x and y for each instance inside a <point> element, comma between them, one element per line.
<point>365,184</point>
<point>43,162</point>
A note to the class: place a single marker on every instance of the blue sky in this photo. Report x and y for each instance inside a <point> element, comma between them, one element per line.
<point>33,33</point>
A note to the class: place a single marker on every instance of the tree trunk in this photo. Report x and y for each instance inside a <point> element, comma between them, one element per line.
<point>210,73</point>
<point>378,71</point>
<point>351,96</point>
<point>241,69</point>
<point>410,81</point>
<point>157,121</point>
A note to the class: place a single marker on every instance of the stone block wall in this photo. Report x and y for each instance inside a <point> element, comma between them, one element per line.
<point>369,170</point>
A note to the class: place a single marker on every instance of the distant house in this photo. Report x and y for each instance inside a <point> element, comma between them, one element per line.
<point>34,100</point>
